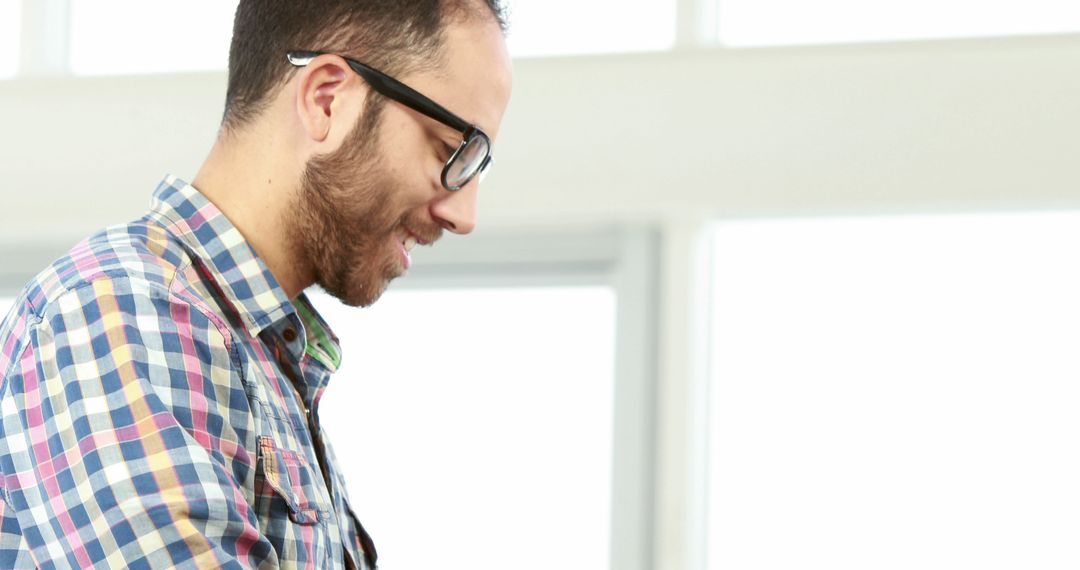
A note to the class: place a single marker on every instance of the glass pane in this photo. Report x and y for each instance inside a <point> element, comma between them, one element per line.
<point>478,425</point>
<point>896,393</point>
<point>561,27</point>
<point>10,28</point>
<point>150,36</point>
<point>756,22</point>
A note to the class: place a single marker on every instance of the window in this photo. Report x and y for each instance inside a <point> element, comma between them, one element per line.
<point>478,423</point>
<point>745,23</point>
<point>896,393</point>
<point>142,36</point>
<point>562,27</point>
<point>10,28</point>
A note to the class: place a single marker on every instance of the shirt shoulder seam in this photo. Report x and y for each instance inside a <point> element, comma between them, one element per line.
<point>170,294</point>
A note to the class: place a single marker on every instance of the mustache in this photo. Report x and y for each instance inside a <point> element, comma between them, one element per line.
<point>424,230</point>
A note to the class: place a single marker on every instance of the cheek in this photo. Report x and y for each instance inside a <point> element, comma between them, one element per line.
<point>412,191</point>
<point>415,157</point>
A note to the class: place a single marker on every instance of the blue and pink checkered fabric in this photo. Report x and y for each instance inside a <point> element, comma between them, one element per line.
<point>159,407</point>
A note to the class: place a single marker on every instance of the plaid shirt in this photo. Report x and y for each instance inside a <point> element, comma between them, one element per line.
<point>158,397</point>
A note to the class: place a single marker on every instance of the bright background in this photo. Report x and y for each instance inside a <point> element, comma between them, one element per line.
<point>759,284</point>
<point>888,382</point>
<point>476,419</point>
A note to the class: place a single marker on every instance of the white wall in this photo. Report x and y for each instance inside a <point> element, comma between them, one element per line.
<point>952,125</point>
<point>671,140</point>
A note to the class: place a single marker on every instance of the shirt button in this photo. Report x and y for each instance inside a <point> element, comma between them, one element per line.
<point>289,334</point>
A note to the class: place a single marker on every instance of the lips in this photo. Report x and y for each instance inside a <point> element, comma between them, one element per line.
<point>403,249</point>
<point>411,239</point>
<point>422,237</point>
<point>406,245</point>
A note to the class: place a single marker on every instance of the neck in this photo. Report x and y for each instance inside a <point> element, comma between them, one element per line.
<point>252,178</point>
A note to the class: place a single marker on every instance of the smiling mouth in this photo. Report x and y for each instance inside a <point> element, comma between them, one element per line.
<point>407,244</point>
<point>413,238</point>
<point>409,241</point>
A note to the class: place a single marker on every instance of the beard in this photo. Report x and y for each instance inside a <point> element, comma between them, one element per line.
<point>349,213</point>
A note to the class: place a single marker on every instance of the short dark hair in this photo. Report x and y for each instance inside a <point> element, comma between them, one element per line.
<point>394,36</point>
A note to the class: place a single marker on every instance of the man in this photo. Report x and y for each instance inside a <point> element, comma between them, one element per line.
<point>161,382</point>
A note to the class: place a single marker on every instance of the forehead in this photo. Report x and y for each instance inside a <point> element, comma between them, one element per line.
<point>474,81</point>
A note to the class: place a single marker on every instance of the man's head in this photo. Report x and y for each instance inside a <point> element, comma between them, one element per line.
<point>367,170</point>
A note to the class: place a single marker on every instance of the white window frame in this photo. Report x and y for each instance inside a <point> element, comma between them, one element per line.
<point>627,260</point>
<point>46,34</point>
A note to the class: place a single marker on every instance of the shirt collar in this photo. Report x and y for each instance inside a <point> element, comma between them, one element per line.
<point>241,274</point>
<point>236,268</point>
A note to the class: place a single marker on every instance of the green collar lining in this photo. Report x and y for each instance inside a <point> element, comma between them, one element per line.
<point>323,349</point>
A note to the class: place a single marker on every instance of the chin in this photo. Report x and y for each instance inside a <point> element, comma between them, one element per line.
<point>363,294</point>
<point>364,291</point>
<point>361,287</point>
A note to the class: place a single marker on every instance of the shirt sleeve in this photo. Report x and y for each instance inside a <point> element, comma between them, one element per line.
<point>124,441</point>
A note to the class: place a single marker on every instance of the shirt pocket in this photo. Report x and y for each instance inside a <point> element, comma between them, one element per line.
<point>288,478</point>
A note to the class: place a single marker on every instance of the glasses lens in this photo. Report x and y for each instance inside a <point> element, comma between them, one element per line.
<point>468,161</point>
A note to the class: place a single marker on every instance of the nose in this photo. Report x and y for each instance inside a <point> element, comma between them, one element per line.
<point>456,211</point>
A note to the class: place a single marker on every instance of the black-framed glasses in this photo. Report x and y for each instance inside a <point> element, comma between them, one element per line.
<point>473,155</point>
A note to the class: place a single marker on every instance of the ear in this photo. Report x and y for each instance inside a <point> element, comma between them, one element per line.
<point>327,90</point>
